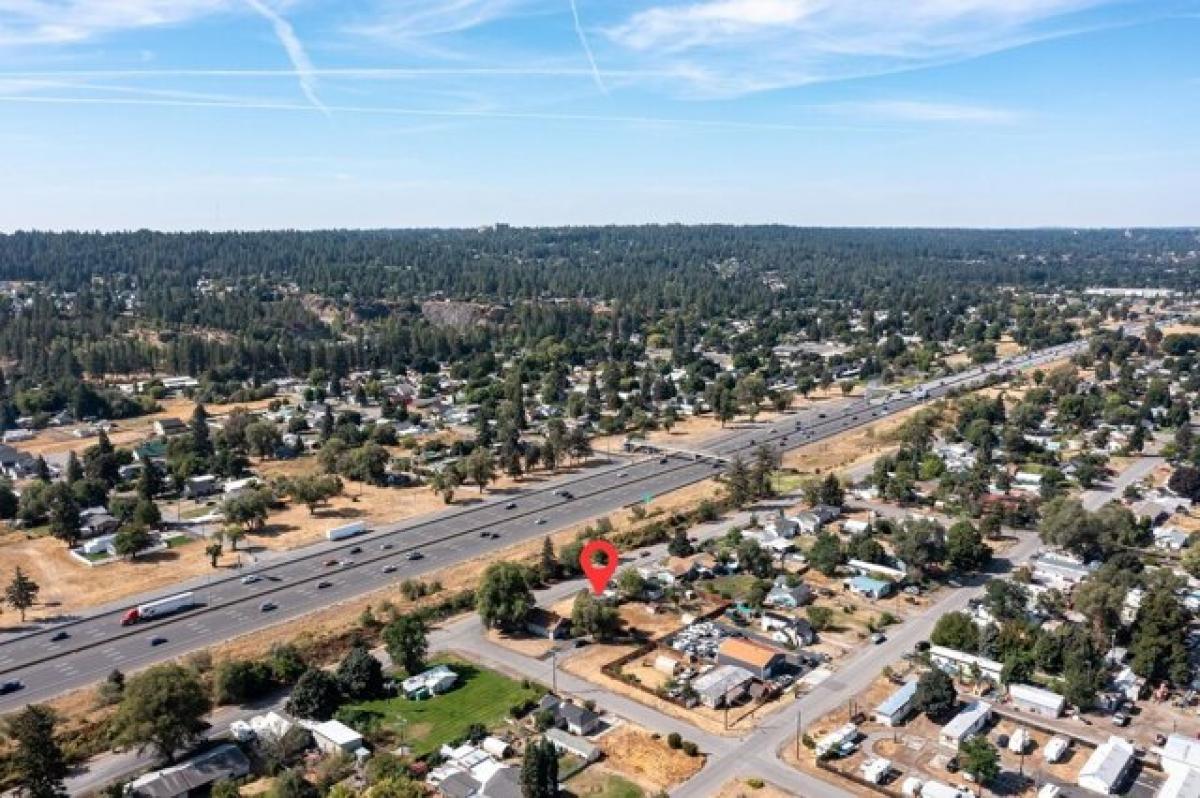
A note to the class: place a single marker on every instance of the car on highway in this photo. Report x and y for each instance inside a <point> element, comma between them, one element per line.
<point>416,555</point>
<point>157,641</point>
<point>623,474</point>
<point>331,563</point>
<point>540,521</point>
<point>63,635</point>
<point>324,584</point>
<point>662,461</point>
<point>568,495</point>
<point>250,579</point>
<point>11,686</point>
<point>820,415</point>
<point>356,550</point>
<point>878,638</point>
<point>389,569</point>
<point>510,506</point>
<point>385,546</point>
<point>268,606</point>
<point>485,534</point>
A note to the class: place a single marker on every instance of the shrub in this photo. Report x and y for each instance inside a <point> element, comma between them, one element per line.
<point>755,784</point>
<point>690,748</point>
<point>674,741</point>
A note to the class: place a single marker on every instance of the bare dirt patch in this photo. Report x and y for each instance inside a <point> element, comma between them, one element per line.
<point>741,788</point>
<point>648,760</point>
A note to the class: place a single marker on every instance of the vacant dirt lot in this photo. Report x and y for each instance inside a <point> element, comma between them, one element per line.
<point>646,760</point>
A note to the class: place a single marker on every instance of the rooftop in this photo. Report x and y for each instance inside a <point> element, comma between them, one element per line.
<point>749,651</point>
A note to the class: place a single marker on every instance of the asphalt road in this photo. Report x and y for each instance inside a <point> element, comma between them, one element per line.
<point>227,608</point>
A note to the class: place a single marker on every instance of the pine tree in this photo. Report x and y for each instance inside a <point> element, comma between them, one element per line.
<point>21,592</point>
<point>37,761</point>
<point>202,445</point>
<point>738,483</point>
<point>74,471</point>
<point>549,562</point>
<point>539,770</point>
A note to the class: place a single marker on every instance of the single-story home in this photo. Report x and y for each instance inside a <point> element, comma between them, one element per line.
<point>1036,700</point>
<point>169,427</point>
<point>578,719</point>
<point>564,742</point>
<point>335,737</point>
<point>1107,767</point>
<point>429,683</point>
<point>960,663</point>
<point>760,659</point>
<point>788,596</point>
<point>869,587</point>
<point>965,724</point>
<point>544,623</point>
<point>898,706</point>
<point>723,684</point>
<point>217,764</point>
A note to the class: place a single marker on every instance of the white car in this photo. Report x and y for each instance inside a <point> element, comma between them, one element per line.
<point>250,579</point>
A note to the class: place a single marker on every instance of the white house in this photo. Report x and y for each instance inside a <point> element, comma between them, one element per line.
<point>1028,698</point>
<point>569,743</point>
<point>1106,767</point>
<point>898,706</point>
<point>335,737</point>
<point>1180,759</point>
<point>429,683</point>
<point>961,663</point>
<point>965,724</point>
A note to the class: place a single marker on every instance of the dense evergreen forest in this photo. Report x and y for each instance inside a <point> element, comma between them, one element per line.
<point>237,307</point>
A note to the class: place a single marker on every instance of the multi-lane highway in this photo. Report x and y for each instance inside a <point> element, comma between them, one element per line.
<point>228,608</point>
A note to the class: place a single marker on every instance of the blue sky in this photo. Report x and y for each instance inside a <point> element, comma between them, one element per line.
<point>186,114</point>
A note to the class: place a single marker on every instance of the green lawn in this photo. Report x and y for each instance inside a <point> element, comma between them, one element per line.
<point>178,540</point>
<point>736,585</point>
<point>784,482</point>
<point>481,696</point>
<point>595,784</point>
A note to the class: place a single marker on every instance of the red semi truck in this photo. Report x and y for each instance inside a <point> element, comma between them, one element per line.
<point>158,608</point>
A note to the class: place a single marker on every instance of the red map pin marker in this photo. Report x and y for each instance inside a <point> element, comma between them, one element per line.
<point>596,573</point>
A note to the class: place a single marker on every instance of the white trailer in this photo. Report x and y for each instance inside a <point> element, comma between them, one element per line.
<point>346,531</point>
<point>159,608</point>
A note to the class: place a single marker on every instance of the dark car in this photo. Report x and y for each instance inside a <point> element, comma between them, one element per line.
<point>330,563</point>
<point>485,534</point>
<point>268,606</point>
<point>157,641</point>
<point>11,686</point>
<point>356,550</point>
<point>323,585</point>
<point>59,636</point>
<point>385,546</point>
<point>662,461</point>
<point>568,495</point>
<point>510,506</point>
<point>416,555</point>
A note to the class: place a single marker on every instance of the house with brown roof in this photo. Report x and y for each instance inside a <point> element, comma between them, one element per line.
<point>760,659</point>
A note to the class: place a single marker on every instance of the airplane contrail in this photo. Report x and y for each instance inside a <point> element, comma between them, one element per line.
<point>587,48</point>
<point>295,51</point>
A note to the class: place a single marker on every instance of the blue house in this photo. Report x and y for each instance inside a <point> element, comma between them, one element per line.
<point>871,588</point>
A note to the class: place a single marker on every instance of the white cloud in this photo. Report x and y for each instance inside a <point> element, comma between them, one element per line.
<point>736,46</point>
<point>39,22</point>
<point>400,21</point>
<point>295,50</point>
